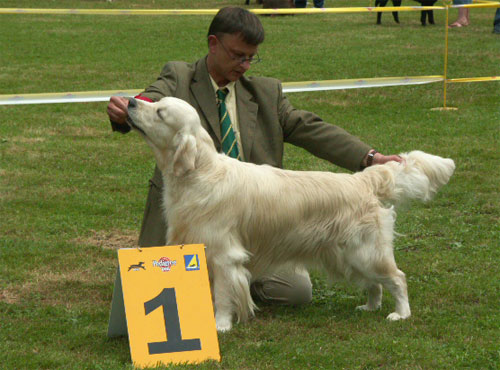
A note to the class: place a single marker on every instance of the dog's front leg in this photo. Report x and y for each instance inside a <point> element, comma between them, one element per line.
<point>231,295</point>
<point>223,306</point>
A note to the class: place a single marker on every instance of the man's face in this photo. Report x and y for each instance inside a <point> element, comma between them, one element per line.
<point>228,57</point>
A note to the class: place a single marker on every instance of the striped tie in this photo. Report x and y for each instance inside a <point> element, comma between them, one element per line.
<point>229,144</point>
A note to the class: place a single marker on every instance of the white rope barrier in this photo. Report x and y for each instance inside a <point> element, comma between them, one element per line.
<point>288,87</point>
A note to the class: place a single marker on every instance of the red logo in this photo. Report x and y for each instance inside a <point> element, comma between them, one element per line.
<point>164,263</point>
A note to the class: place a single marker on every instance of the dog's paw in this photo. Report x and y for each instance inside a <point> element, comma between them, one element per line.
<point>223,324</point>
<point>366,307</point>
<point>396,316</point>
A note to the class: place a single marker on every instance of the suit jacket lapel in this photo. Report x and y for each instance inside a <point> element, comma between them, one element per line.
<point>247,117</point>
<point>204,94</point>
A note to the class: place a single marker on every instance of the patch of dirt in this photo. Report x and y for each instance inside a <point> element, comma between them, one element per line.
<point>8,296</point>
<point>72,288</point>
<point>111,239</point>
<point>85,286</point>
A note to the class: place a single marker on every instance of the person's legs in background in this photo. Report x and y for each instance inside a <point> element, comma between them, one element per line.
<point>319,3</point>
<point>463,14</point>
<point>303,3</point>
<point>496,22</point>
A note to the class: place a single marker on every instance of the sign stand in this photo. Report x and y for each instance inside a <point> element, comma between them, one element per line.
<point>117,325</point>
<point>162,299</point>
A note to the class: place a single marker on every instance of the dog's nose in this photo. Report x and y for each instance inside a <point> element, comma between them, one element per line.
<point>132,103</point>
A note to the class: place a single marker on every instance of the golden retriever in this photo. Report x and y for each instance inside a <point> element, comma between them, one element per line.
<point>254,217</point>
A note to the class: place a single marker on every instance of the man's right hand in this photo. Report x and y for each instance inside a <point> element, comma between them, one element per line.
<point>118,109</point>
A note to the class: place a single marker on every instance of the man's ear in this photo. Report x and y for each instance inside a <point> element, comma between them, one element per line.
<point>185,153</point>
<point>212,43</point>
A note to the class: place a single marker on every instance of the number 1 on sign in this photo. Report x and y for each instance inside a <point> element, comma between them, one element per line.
<point>174,343</point>
<point>169,312</point>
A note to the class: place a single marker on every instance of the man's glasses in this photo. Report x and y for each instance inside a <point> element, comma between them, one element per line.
<point>252,60</point>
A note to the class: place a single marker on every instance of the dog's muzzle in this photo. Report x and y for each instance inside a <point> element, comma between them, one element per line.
<point>132,106</point>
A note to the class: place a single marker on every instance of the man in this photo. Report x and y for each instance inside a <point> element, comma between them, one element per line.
<point>262,119</point>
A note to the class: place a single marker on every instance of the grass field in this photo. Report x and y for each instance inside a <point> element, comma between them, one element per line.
<point>72,192</point>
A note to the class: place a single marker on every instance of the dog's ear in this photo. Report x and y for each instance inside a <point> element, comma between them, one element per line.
<point>185,153</point>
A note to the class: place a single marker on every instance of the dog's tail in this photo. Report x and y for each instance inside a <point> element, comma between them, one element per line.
<point>419,177</point>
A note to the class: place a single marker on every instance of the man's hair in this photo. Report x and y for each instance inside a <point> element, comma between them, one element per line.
<point>234,20</point>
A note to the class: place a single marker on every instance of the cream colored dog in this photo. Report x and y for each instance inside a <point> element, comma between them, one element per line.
<point>252,218</point>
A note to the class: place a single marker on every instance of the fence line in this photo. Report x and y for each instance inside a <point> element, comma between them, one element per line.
<point>95,96</point>
<point>368,9</point>
<point>288,87</point>
<point>213,11</point>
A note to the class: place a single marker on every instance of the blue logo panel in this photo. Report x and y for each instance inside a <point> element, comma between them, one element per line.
<point>191,262</point>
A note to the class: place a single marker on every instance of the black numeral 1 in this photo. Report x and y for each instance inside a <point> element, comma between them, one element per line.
<point>174,343</point>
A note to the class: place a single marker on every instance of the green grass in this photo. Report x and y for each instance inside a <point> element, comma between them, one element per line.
<point>72,192</point>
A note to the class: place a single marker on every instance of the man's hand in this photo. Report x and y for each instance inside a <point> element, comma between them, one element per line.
<point>379,158</point>
<point>118,109</point>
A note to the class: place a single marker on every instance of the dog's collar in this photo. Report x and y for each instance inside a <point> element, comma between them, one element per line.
<point>145,98</point>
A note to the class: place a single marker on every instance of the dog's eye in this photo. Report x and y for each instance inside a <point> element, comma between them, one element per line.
<point>159,113</point>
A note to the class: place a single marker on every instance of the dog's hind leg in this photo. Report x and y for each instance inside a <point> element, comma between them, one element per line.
<point>385,273</point>
<point>374,298</point>
<point>396,284</point>
<point>371,258</point>
<point>382,269</point>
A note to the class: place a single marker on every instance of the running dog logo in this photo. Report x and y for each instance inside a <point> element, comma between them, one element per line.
<point>164,263</point>
<point>137,266</point>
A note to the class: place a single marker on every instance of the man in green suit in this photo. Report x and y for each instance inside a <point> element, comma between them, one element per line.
<point>263,120</point>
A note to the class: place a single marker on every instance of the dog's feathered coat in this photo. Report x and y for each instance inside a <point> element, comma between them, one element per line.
<point>253,218</point>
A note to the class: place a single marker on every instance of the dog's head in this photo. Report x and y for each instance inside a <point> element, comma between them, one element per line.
<point>169,127</point>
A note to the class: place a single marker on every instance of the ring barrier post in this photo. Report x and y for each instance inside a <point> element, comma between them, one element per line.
<point>445,72</point>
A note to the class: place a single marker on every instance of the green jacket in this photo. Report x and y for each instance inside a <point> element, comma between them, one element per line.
<point>267,120</point>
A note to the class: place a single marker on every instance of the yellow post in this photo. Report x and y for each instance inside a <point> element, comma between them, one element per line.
<point>446,53</point>
<point>445,80</point>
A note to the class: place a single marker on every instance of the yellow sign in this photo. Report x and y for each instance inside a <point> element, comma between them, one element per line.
<point>168,305</point>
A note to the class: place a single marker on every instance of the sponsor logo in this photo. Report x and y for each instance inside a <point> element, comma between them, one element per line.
<point>191,262</point>
<point>164,263</point>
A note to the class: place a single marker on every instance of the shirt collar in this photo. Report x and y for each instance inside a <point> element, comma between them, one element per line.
<point>229,86</point>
